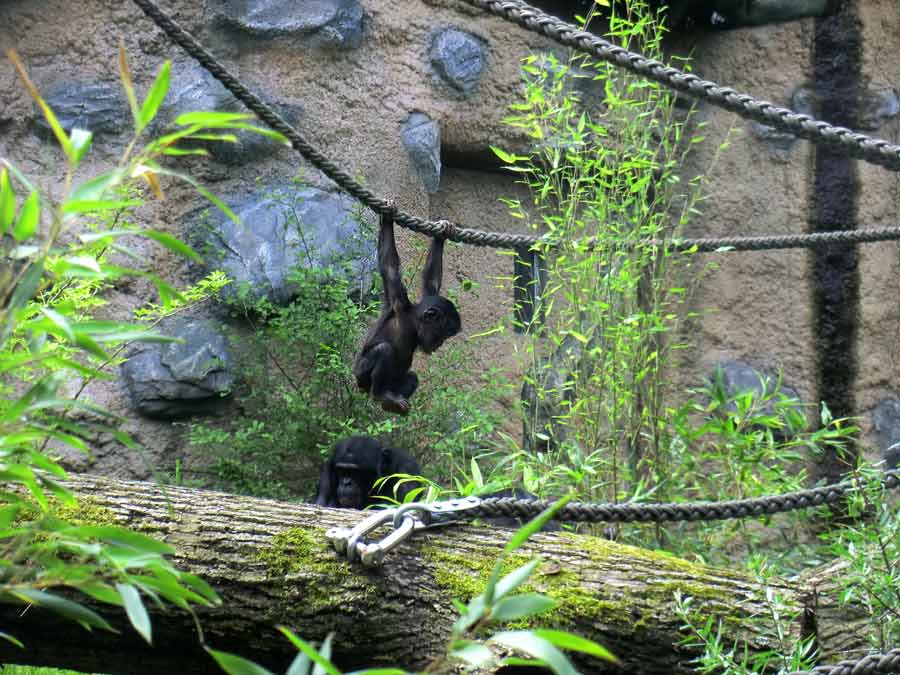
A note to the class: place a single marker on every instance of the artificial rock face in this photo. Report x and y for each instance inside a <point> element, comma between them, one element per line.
<point>282,227</point>
<point>336,24</point>
<point>175,379</point>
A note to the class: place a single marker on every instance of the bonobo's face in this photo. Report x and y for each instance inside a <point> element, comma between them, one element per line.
<point>436,320</point>
<point>353,486</point>
<point>356,466</point>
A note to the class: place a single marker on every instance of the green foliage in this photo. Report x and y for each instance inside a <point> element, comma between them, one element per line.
<point>868,544</point>
<point>737,445</point>
<point>57,266</point>
<point>607,189</point>
<point>717,656</point>
<point>299,394</point>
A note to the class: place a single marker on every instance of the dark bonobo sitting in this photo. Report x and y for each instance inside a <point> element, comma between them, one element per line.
<point>348,478</point>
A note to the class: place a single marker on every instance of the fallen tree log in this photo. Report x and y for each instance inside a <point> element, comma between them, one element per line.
<point>271,565</point>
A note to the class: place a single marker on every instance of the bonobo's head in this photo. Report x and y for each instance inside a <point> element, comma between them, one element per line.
<point>358,463</point>
<point>436,320</point>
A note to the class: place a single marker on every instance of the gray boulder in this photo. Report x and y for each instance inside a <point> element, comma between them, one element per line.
<point>336,24</point>
<point>458,59</point>
<point>193,89</point>
<point>804,101</point>
<point>886,425</point>
<point>879,106</point>
<point>174,379</point>
<point>98,107</point>
<point>422,140</point>
<point>739,377</point>
<point>283,227</point>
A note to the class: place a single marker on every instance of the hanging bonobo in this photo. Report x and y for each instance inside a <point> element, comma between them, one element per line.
<point>383,366</point>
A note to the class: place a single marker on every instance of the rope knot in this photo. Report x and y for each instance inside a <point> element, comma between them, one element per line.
<point>390,207</point>
<point>448,229</point>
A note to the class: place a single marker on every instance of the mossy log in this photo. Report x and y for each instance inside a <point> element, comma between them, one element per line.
<point>271,565</point>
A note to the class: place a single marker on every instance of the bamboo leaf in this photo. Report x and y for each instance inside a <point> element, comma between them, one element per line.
<point>55,126</point>
<point>66,608</point>
<point>136,611</point>
<point>155,96</point>
<point>173,244</point>
<point>81,143</point>
<point>7,202</point>
<point>29,217</point>
<point>236,665</point>
<point>575,643</point>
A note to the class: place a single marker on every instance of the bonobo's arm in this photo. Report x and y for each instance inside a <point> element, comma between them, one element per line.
<point>433,270</point>
<point>389,265</point>
<point>327,486</point>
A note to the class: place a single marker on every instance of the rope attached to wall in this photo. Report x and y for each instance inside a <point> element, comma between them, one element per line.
<point>852,143</point>
<point>539,22</point>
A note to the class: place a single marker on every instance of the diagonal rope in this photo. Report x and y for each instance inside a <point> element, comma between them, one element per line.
<point>580,512</point>
<point>443,228</point>
<point>852,143</point>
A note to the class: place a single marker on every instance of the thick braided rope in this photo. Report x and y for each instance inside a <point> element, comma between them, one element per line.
<point>854,144</point>
<point>448,230</point>
<point>888,662</point>
<point>786,241</point>
<point>512,507</point>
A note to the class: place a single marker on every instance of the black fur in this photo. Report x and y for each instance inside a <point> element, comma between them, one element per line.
<point>383,364</point>
<point>348,477</point>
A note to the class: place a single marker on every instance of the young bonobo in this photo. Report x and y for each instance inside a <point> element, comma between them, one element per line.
<point>383,365</point>
<point>356,463</point>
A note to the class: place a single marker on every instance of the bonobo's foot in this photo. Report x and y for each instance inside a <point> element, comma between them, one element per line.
<point>395,404</point>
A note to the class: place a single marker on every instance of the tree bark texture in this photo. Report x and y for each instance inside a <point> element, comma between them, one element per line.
<point>271,565</point>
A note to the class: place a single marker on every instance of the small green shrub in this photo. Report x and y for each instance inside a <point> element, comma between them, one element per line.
<point>298,393</point>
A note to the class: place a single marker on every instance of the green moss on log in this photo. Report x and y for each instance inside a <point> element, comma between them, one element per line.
<point>303,555</point>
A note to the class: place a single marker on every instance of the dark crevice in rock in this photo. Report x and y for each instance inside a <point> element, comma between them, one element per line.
<point>837,56</point>
<point>471,159</point>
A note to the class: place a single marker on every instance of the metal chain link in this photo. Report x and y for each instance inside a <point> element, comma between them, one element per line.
<point>453,232</point>
<point>850,142</point>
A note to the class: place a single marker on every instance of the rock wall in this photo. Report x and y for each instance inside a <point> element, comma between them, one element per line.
<point>410,96</point>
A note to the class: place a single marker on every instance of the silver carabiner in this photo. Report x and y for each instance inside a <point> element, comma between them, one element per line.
<point>344,540</point>
<point>437,513</point>
<point>351,542</point>
<point>372,555</point>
